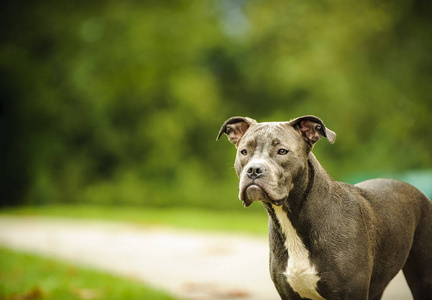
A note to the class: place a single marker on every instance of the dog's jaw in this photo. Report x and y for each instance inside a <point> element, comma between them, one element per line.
<point>254,192</point>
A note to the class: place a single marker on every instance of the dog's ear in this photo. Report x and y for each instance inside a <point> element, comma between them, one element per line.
<point>312,129</point>
<point>235,128</point>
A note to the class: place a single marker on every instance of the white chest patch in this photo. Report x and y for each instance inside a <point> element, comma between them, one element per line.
<point>300,273</point>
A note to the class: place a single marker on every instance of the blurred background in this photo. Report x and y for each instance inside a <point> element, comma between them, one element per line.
<point>120,102</point>
<point>110,110</point>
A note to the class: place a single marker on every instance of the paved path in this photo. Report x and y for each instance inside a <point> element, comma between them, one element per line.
<point>191,265</point>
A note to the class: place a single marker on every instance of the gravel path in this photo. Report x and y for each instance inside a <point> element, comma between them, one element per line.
<point>188,264</point>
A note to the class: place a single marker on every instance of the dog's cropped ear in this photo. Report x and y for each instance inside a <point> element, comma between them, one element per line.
<point>312,129</point>
<point>235,128</point>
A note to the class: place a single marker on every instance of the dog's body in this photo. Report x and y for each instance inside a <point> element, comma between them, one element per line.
<point>330,240</point>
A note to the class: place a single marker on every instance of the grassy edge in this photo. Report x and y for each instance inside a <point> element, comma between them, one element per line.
<point>30,276</point>
<point>237,221</point>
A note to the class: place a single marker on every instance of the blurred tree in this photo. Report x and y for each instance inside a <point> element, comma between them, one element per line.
<point>120,102</point>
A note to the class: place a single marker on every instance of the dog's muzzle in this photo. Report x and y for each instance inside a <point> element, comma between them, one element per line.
<point>254,193</point>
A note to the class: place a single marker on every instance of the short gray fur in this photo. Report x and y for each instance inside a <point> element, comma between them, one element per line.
<point>358,237</point>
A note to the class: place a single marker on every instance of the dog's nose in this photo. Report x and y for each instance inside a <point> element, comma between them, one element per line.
<point>255,171</point>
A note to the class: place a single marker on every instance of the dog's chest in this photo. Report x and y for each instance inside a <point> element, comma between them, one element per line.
<point>300,273</point>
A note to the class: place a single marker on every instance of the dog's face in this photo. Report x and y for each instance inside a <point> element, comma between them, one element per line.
<point>270,156</point>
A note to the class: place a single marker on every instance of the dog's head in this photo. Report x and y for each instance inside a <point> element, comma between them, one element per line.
<point>270,156</point>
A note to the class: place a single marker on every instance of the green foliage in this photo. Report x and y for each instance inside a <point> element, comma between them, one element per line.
<point>119,102</point>
<point>25,276</point>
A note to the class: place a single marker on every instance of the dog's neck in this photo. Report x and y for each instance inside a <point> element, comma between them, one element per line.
<point>297,207</point>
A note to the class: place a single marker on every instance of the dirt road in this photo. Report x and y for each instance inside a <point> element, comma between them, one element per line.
<point>191,265</point>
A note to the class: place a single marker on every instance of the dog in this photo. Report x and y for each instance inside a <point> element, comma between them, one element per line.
<point>328,239</point>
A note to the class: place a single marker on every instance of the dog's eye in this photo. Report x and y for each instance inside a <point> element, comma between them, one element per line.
<point>244,152</point>
<point>282,151</point>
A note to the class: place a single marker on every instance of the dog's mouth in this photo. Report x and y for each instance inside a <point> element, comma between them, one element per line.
<point>254,193</point>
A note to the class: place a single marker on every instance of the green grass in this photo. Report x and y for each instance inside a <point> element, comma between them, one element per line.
<point>252,220</point>
<point>25,276</point>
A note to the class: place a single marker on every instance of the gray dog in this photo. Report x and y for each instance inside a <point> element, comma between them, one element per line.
<point>329,240</point>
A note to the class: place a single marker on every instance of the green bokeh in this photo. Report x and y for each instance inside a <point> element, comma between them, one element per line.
<point>119,102</point>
